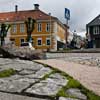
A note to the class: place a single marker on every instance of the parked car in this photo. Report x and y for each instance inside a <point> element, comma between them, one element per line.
<point>27,44</point>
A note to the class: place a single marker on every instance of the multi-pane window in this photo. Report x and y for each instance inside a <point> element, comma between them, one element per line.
<point>39,41</point>
<point>47,41</point>
<point>22,28</point>
<point>48,27</point>
<point>14,28</point>
<point>96,30</point>
<point>39,27</point>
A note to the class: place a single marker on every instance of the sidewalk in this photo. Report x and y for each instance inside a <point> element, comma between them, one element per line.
<point>7,96</point>
<point>88,76</point>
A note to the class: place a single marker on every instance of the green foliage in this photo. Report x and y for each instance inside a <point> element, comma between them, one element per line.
<point>62,93</point>
<point>7,73</point>
<point>47,75</point>
<point>73,84</point>
<point>92,96</point>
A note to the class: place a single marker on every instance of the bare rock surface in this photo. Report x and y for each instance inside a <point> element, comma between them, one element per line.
<point>31,79</point>
<point>65,98</point>
<point>76,93</point>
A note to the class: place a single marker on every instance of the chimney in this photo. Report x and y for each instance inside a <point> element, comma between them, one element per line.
<point>36,6</point>
<point>16,8</point>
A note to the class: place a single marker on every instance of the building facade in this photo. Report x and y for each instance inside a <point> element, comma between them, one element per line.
<point>93,33</point>
<point>48,29</point>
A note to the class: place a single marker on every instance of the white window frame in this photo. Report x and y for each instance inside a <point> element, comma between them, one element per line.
<point>14,28</point>
<point>39,27</point>
<point>22,28</point>
<point>48,27</point>
<point>47,40</point>
<point>96,30</point>
<point>38,40</point>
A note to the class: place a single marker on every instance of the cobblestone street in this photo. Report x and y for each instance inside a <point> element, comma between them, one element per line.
<point>34,81</point>
<point>91,59</point>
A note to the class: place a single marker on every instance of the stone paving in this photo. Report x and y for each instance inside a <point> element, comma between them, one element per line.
<point>91,59</point>
<point>86,75</point>
<point>30,82</point>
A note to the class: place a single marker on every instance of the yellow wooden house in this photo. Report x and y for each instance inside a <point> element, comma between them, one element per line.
<point>49,32</point>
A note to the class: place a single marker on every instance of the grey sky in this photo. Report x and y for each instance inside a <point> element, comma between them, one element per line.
<point>82,11</point>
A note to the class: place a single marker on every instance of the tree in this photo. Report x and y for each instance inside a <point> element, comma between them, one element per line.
<point>3,32</point>
<point>30,23</point>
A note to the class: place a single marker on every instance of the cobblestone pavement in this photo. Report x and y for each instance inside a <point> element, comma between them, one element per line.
<point>33,81</point>
<point>91,59</point>
<point>8,96</point>
<point>88,76</point>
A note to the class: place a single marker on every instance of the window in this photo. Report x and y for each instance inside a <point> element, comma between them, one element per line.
<point>47,41</point>
<point>22,41</point>
<point>14,28</point>
<point>96,30</point>
<point>48,27</point>
<point>39,41</point>
<point>22,28</point>
<point>39,26</point>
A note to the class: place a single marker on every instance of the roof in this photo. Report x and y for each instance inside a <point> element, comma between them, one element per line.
<point>23,15</point>
<point>95,21</point>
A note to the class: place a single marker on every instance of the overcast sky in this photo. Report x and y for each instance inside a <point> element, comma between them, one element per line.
<point>82,11</point>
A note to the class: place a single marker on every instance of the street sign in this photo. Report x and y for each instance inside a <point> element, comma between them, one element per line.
<point>67,14</point>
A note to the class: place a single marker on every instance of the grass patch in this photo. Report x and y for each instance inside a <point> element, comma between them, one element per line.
<point>90,95</point>
<point>7,73</point>
<point>47,75</point>
<point>72,83</point>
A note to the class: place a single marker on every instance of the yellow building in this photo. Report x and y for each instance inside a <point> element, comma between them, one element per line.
<point>49,32</point>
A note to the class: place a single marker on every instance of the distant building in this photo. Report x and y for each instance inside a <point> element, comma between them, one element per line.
<point>76,41</point>
<point>93,33</point>
<point>49,32</point>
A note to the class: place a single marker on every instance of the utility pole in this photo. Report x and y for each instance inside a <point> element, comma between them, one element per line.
<point>67,17</point>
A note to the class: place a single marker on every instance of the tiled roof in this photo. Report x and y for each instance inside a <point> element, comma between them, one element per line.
<point>23,15</point>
